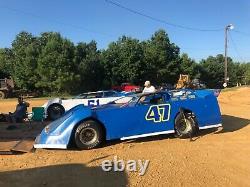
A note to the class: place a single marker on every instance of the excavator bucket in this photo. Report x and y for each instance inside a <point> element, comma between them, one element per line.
<point>183,81</point>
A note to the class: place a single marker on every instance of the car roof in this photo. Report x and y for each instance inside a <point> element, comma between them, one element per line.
<point>104,91</point>
<point>157,92</point>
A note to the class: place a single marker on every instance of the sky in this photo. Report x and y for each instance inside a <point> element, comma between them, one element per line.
<point>102,21</point>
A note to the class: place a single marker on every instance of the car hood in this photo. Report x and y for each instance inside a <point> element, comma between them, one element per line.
<point>106,106</point>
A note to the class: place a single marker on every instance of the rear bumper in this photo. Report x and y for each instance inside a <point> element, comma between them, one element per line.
<point>211,126</point>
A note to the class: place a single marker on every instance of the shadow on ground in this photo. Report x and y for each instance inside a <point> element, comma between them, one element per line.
<point>21,130</point>
<point>232,123</point>
<point>63,175</point>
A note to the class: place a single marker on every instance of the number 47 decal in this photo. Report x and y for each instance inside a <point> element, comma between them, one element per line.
<point>158,113</point>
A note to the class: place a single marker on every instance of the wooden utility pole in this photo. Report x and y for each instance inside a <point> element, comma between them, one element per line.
<point>225,65</point>
<point>228,27</point>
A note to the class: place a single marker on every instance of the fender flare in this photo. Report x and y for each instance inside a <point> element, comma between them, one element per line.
<point>49,103</point>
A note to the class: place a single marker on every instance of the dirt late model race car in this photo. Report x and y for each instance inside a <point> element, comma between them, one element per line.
<point>182,112</point>
<point>55,108</point>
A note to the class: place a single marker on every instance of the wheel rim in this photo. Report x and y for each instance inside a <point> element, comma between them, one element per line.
<point>88,136</point>
<point>56,112</point>
<point>184,126</point>
<point>1,95</point>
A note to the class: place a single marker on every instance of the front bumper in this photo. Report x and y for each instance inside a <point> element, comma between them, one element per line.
<point>46,142</point>
<point>58,133</point>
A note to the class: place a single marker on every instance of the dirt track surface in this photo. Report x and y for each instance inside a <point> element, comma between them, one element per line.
<point>217,158</point>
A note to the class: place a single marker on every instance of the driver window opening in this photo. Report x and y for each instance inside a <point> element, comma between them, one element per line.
<point>152,99</point>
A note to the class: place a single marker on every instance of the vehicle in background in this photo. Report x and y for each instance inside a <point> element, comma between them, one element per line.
<point>165,86</point>
<point>185,82</point>
<point>56,107</point>
<point>198,84</point>
<point>6,88</point>
<point>127,87</point>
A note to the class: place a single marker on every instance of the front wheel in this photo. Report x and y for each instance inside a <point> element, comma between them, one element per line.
<point>185,126</point>
<point>55,111</point>
<point>2,95</point>
<point>88,135</point>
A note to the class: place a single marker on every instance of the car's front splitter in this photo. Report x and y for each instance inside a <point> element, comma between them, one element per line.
<point>47,142</point>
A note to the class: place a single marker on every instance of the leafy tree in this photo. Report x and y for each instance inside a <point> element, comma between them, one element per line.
<point>51,63</point>
<point>161,58</point>
<point>6,62</point>
<point>212,71</point>
<point>235,73</point>
<point>123,61</point>
<point>55,64</point>
<point>189,66</point>
<point>245,79</point>
<point>88,66</point>
<point>26,51</point>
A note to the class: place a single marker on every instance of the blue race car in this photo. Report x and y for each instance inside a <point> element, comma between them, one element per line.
<point>182,112</point>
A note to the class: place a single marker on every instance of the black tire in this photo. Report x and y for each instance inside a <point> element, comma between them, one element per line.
<point>2,95</point>
<point>88,135</point>
<point>3,118</point>
<point>185,127</point>
<point>55,111</point>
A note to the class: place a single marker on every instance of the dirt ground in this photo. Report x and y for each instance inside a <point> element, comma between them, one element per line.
<point>219,157</point>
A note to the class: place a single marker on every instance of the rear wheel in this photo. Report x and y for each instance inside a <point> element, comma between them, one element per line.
<point>89,135</point>
<point>185,126</point>
<point>2,95</point>
<point>55,111</point>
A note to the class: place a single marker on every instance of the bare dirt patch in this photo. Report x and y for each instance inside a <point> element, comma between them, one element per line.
<point>217,158</point>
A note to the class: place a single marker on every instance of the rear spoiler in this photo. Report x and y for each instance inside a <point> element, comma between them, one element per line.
<point>216,92</point>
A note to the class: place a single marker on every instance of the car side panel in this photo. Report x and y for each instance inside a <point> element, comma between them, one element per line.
<point>206,109</point>
<point>130,121</point>
<point>209,111</point>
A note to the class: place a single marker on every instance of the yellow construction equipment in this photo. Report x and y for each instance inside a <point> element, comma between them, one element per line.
<point>183,82</point>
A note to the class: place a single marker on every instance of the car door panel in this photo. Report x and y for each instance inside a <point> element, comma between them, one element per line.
<point>136,120</point>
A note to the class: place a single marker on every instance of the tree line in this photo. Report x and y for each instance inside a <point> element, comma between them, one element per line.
<point>50,63</point>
